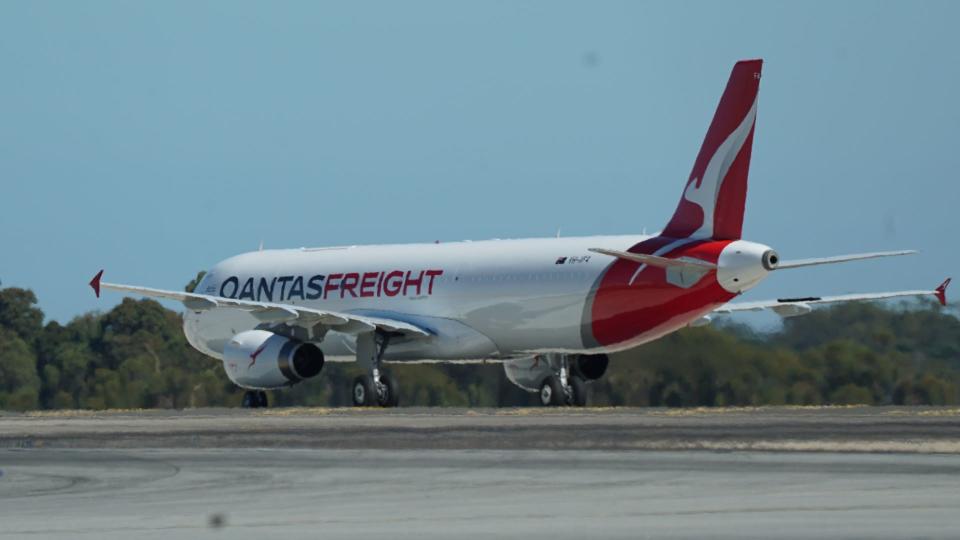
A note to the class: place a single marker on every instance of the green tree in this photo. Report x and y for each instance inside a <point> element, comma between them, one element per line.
<point>136,356</point>
<point>192,286</point>
<point>19,383</point>
<point>18,313</point>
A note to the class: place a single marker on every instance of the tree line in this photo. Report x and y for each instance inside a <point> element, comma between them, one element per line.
<point>136,356</point>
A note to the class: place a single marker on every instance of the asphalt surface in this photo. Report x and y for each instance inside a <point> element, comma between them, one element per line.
<point>290,493</point>
<point>870,429</point>
<point>622,473</point>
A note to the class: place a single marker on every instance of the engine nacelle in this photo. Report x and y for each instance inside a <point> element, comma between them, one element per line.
<point>742,265</point>
<point>263,360</point>
<point>591,366</point>
<point>529,373</point>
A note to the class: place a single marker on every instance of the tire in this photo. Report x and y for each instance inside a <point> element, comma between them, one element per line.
<point>551,392</point>
<point>392,395</point>
<point>262,399</point>
<point>364,391</point>
<point>578,391</point>
<point>249,400</point>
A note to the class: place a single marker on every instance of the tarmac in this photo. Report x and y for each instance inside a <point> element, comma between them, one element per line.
<point>437,473</point>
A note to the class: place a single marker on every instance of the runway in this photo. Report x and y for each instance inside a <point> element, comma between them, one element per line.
<point>299,473</point>
<point>856,429</point>
<point>274,493</point>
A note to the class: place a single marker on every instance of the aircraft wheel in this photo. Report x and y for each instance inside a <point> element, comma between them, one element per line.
<point>551,392</point>
<point>262,399</point>
<point>364,391</point>
<point>578,391</point>
<point>390,395</point>
<point>251,399</point>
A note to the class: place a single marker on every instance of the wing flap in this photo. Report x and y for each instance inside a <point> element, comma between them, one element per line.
<point>275,315</point>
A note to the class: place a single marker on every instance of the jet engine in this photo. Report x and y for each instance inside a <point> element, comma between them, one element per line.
<point>263,360</point>
<point>742,265</point>
<point>590,366</point>
<point>529,373</point>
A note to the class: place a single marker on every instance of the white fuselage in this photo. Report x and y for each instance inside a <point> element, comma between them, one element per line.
<point>484,299</point>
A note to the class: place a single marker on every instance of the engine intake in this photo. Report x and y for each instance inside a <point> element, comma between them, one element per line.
<point>770,259</point>
<point>591,366</point>
<point>263,360</point>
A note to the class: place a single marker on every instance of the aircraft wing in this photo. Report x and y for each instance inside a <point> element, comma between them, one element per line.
<point>273,313</point>
<point>789,307</point>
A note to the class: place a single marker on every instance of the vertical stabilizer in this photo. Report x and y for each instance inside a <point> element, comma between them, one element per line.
<point>714,197</point>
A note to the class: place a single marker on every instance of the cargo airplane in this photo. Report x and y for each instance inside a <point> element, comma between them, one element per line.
<point>549,309</point>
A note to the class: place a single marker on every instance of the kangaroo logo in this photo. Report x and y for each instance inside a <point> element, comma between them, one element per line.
<point>254,355</point>
<point>704,191</point>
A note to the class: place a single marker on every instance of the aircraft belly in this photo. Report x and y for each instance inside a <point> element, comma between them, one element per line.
<point>453,341</point>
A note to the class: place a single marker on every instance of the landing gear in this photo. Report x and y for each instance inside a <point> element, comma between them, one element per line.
<point>378,388</point>
<point>254,399</point>
<point>562,389</point>
<point>384,392</point>
<point>551,392</point>
<point>390,396</point>
<point>554,394</point>
<point>364,391</point>
<point>578,391</point>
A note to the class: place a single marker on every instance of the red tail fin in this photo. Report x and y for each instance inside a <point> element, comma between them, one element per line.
<point>714,197</point>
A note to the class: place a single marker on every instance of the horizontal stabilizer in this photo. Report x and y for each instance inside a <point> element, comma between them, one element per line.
<point>654,260</point>
<point>799,263</point>
<point>789,307</point>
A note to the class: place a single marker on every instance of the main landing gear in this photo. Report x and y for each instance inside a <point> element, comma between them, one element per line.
<point>562,388</point>
<point>254,399</point>
<point>376,388</point>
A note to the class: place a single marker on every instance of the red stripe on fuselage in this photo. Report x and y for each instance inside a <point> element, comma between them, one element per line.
<point>624,314</point>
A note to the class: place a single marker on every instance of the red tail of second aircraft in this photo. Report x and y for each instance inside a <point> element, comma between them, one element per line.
<point>714,197</point>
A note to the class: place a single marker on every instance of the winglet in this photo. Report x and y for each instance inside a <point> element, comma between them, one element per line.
<point>941,292</point>
<point>95,282</point>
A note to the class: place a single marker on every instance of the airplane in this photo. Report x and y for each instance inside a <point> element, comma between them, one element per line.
<point>551,310</point>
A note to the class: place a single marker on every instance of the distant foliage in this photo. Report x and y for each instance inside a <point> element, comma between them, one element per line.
<point>136,356</point>
<point>192,286</point>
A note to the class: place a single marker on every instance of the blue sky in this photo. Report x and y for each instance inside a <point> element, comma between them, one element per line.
<point>156,138</point>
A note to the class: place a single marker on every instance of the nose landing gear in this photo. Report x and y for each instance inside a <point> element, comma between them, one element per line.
<point>254,399</point>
